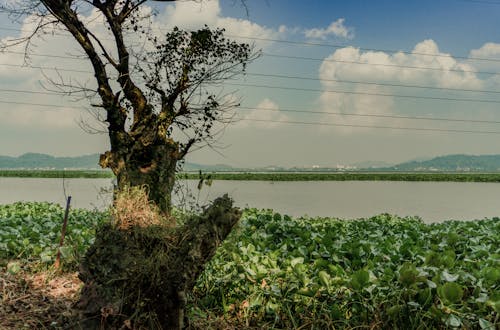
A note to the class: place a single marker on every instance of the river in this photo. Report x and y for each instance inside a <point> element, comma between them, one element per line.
<point>432,201</point>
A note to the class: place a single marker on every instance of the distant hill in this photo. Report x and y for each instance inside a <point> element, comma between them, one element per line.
<point>190,167</point>
<point>43,161</point>
<point>453,163</point>
<point>371,164</point>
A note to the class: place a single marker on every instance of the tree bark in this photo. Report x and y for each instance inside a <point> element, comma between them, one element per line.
<point>152,166</point>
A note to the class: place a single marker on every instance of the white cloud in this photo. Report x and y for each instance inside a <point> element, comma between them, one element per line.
<point>489,50</point>
<point>194,15</point>
<point>336,29</point>
<point>487,59</point>
<point>384,69</point>
<point>266,114</point>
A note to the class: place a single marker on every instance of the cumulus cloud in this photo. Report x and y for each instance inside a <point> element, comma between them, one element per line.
<point>487,59</point>
<point>194,15</point>
<point>384,71</point>
<point>266,114</point>
<point>489,50</point>
<point>335,29</point>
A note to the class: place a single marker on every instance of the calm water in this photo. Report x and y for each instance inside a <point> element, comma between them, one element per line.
<point>433,201</point>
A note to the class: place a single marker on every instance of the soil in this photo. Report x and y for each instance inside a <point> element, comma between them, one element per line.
<point>40,300</point>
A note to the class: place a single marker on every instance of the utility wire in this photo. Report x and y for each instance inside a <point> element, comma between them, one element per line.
<point>256,74</point>
<point>376,64</point>
<point>305,43</point>
<point>46,55</point>
<point>372,126</point>
<point>41,105</point>
<point>329,45</point>
<point>270,109</point>
<point>299,122</point>
<point>306,123</point>
<point>481,1</point>
<point>372,115</point>
<point>311,89</point>
<point>300,58</point>
<point>367,83</point>
<point>365,93</point>
<point>43,68</point>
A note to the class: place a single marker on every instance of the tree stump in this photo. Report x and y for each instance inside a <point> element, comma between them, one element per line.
<point>139,278</point>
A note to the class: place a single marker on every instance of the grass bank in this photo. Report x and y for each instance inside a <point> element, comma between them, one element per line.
<point>277,272</point>
<point>271,176</point>
<point>87,174</point>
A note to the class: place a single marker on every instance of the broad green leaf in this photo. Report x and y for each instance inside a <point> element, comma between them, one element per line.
<point>324,278</point>
<point>296,261</point>
<point>449,277</point>
<point>454,321</point>
<point>451,292</point>
<point>360,279</point>
<point>486,325</point>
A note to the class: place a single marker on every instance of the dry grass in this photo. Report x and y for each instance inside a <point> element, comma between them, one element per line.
<point>37,301</point>
<point>133,208</point>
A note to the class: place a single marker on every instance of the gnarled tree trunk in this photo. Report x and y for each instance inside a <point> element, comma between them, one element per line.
<point>153,167</point>
<point>140,277</point>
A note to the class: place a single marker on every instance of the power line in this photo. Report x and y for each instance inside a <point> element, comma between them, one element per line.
<point>368,83</point>
<point>283,77</point>
<point>46,55</point>
<point>42,68</point>
<point>326,91</point>
<point>372,126</point>
<point>329,45</point>
<point>481,1</point>
<point>41,105</point>
<point>365,93</point>
<point>365,49</point>
<point>373,115</point>
<point>295,122</point>
<point>274,110</point>
<point>299,58</point>
<point>377,64</point>
<point>268,109</point>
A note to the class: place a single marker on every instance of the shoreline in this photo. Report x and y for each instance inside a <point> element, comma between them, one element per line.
<point>276,176</point>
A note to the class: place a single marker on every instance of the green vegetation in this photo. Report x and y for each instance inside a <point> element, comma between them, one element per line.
<point>384,272</point>
<point>31,232</point>
<point>351,176</point>
<point>274,271</point>
<point>273,176</point>
<point>87,174</point>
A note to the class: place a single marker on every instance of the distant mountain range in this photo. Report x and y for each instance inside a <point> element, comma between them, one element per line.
<point>453,163</point>
<point>43,161</point>
<point>450,163</point>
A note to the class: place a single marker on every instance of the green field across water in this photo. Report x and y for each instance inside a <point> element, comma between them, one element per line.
<point>276,176</point>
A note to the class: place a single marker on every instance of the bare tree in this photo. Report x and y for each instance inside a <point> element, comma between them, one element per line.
<point>159,101</point>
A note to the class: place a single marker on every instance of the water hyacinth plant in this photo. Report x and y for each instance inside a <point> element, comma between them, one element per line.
<point>274,271</point>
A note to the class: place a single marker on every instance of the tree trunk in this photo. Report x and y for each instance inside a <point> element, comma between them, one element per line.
<point>152,166</point>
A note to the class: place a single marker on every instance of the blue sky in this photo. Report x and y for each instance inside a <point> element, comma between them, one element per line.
<point>354,98</point>
<point>457,25</point>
